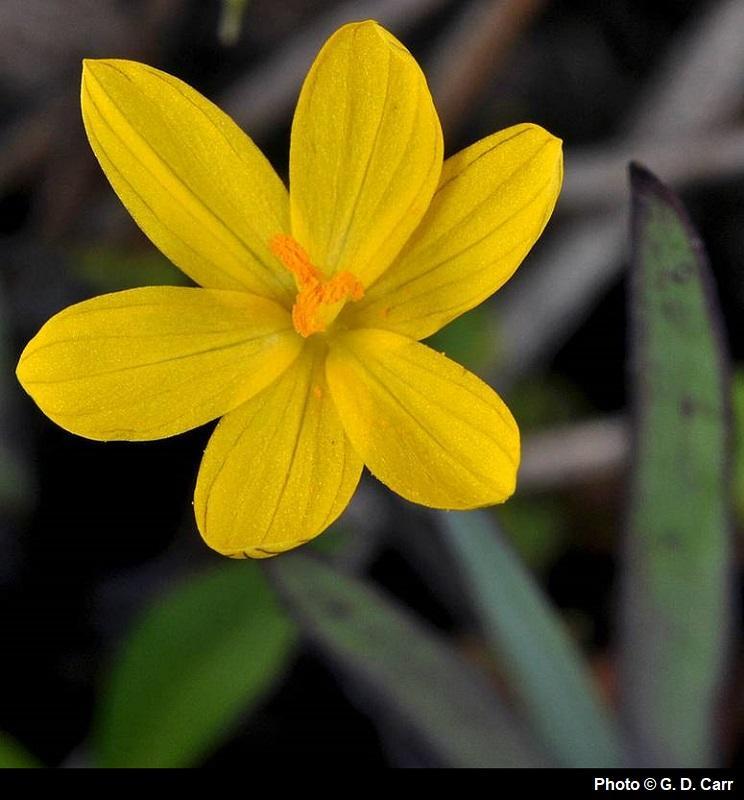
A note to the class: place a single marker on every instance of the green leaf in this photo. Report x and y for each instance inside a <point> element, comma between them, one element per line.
<point>738,403</point>
<point>231,21</point>
<point>468,339</point>
<point>332,541</point>
<point>108,269</point>
<point>546,400</point>
<point>400,669</point>
<point>14,756</point>
<point>541,663</point>
<point>676,592</point>
<point>198,660</point>
<point>536,526</point>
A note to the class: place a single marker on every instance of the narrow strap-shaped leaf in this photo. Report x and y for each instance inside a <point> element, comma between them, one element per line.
<point>402,669</point>
<point>198,659</point>
<point>738,460</point>
<point>541,662</point>
<point>676,571</point>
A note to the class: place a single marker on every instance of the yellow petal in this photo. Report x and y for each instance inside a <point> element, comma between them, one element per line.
<point>192,180</point>
<point>493,201</point>
<point>424,425</point>
<point>152,362</point>
<point>366,152</point>
<point>279,469</point>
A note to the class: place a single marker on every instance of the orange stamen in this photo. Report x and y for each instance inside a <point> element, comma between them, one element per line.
<point>318,300</point>
<point>295,258</point>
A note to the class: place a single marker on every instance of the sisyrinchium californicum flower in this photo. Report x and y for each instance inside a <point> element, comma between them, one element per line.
<point>304,331</point>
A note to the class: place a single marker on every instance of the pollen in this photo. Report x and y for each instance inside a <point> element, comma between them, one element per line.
<point>294,257</point>
<point>319,299</point>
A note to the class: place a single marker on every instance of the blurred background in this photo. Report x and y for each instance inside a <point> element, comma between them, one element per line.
<point>98,541</point>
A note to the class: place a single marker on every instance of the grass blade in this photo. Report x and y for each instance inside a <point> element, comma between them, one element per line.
<point>541,663</point>
<point>676,575</point>
<point>402,670</point>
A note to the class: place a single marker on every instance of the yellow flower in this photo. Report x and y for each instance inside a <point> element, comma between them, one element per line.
<point>305,335</point>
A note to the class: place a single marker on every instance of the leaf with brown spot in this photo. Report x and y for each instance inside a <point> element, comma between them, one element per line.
<point>676,589</point>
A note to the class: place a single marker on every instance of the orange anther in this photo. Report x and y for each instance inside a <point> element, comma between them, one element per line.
<point>318,300</point>
<point>295,258</point>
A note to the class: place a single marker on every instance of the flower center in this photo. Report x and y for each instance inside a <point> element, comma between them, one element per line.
<point>319,299</point>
